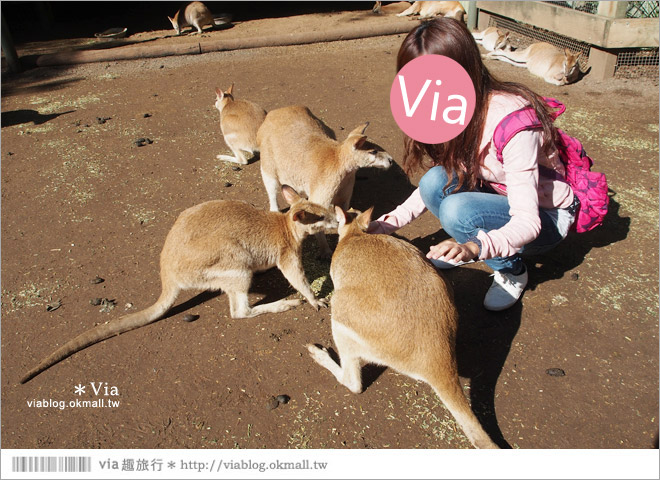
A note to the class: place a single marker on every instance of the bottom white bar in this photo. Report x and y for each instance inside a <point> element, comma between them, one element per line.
<point>313,464</point>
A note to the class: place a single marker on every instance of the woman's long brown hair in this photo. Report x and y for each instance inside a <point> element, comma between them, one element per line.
<point>461,155</point>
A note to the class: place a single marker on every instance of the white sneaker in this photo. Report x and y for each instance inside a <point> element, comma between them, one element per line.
<point>442,264</point>
<point>505,290</point>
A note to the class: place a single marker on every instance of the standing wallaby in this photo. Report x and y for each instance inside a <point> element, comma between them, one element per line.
<point>218,245</point>
<point>390,8</point>
<point>239,121</point>
<point>298,149</point>
<point>195,14</point>
<point>492,39</point>
<point>545,61</point>
<point>391,307</point>
<point>433,9</point>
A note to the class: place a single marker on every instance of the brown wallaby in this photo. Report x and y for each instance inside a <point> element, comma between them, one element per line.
<point>218,245</point>
<point>298,149</point>
<point>390,8</point>
<point>391,307</point>
<point>194,14</point>
<point>239,121</point>
<point>545,61</point>
<point>433,9</point>
<point>492,39</point>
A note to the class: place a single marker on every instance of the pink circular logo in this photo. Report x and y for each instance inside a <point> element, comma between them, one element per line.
<point>432,99</point>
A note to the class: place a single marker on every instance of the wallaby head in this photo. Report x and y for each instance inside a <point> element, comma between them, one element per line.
<point>502,42</point>
<point>223,98</point>
<point>308,217</point>
<point>352,222</point>
<point>571,65</point>
<point>358,152</point>
<point>175,22</point>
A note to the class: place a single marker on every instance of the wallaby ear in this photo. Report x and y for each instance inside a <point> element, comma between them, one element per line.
<point>290,195</point>
<point>364,219</point>
<point>359,141</point>
<point>506,35</point>
<point>359,130</point>
<point>230,89</point>
<point>299,216</point>
<point>219,93</point>
<point>341,216</point>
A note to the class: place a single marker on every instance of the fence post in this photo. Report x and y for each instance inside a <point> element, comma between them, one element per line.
<point>613,9</point>
<point>472,15</point>
<point>8,47</point>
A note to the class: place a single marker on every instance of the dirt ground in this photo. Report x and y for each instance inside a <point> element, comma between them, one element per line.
<point>80,199</point>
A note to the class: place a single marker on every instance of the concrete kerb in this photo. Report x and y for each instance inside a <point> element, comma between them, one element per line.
<point>154,51</point>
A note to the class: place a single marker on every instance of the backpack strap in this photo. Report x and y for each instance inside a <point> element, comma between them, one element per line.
<point>522,119</point>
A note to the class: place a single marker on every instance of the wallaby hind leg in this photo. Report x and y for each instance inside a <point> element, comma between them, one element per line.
<point>517,58</point>
<point>272,187</point>
<point>239,155</point>
<point>239,305</point>
<point>349,373</point>
<point>448,388</point>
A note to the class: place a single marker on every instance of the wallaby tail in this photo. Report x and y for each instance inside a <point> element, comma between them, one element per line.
<point>451,394</point>
<point>102,332</point>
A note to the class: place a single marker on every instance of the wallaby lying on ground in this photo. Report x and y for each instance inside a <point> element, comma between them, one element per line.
<point>390,307</point>
<point>492,39</point>
<point>239,121</point>
<point>298,149</point>
<point>390,8</point>
<point>218,245</point>
<point>433,9</point>
<point>195,14</point>
<point>545,61</point>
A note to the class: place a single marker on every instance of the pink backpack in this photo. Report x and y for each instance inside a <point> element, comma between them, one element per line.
<point>589,187</point>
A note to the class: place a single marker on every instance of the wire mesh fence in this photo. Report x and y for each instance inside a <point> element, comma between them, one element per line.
<point>637,63</point>
<point>645,9</point>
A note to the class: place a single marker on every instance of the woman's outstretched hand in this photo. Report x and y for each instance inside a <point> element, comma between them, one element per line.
<point>452,251</point>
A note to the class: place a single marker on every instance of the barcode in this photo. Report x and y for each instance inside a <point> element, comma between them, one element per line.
<point>51,464</point>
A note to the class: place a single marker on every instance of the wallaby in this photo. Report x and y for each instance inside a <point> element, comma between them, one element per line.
<point>492,39</point>
<point>239,121</point>
<point>391,307</point>
<point>433,9</point>
<point>218,245</point>
<point>298,149</point>
<point>195,14</point>
<point>545,61</point>
<point>390,8</point>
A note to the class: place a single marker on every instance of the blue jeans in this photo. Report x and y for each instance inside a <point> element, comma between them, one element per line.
<point>464,213</point>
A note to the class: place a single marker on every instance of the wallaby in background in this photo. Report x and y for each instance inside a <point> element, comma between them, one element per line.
<point>434,9</point>
<point>390,8</point>
<point>239,121</point>
<point>545,61</point>
<point>391,307</point>
<point>195,14</point>
<point>492,39</point>
<point>299,150</point>
<point>218,245</point>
